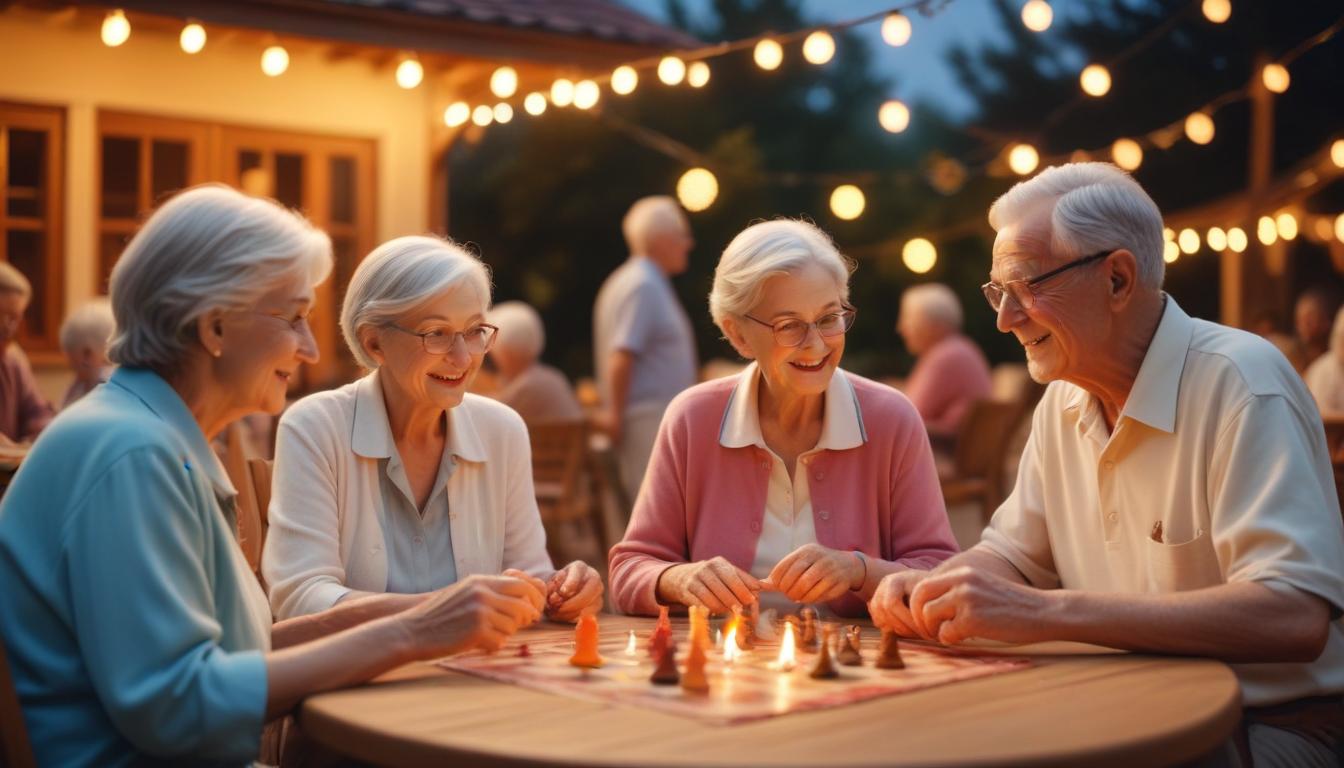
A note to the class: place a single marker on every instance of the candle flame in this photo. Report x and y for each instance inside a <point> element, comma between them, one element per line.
<point>730,649</point>
<point>631,645</point>
<point>787,658</point>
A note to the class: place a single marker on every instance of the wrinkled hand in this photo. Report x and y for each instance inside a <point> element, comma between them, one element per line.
<point>814,574</point>
<point>715,583</point>
<point>477,612</point>
<point>890,606</point>
<point>961,603</point>
<point>573,591</point>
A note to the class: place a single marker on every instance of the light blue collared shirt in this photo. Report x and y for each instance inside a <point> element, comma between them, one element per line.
<point>134,628</point>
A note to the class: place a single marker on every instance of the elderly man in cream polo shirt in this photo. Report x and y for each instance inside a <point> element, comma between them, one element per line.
<point>1175,495</point>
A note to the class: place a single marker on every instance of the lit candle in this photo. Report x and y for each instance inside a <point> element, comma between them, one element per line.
<point>730,649</point>
<point>631,645</point>
<point>787,658</point>
<point>718,639</point>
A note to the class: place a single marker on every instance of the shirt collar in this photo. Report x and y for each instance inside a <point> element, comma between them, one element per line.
<point>841,419</point>
<point>164,401</point>
<point>371,435</point>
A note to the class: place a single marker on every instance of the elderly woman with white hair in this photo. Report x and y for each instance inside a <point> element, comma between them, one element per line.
<point>84,338</point>
<point>794,476</point>
<point>135,629</point>
<point>950,372</point>
<point>402,482</point>
<point>539,393</point>
<point>23,411</point>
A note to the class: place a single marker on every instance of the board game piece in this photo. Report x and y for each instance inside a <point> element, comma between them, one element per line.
<point>824,668</point>
<point>694,680</point>
<point>585,643</point>
<point>765,626</point>
<point>744,629</point>
<point>663,620</point>
<point>665,673</point>
<point>851,647</point>
<point>889,652</point>
<point>809,639</point>
<point>699,616</point>
<point>523,651</point>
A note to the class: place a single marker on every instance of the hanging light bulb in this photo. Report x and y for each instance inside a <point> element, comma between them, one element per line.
<point>1168,234</point>
<point>1337,153</point>
<point>1216,238</point>
<point>819,47</point>
<point>1199,127</point>
<point>586,94</point>
<point>502,113</point>
<point>671,70</point>
<point>624,79</point>
<point>1266,231</point>
<point>697,189</point>
<point>1275,77</point>
<point>482,115</point>
<point>847,202</point>
<point>1096,80</point>
<point>192,38</point>
<point>1286,224</point>
<point>1217,11</point>
<point>535,103</point>
<point>919,255</point>
<point>1023,159</point>
<point>697,75</point>
<point>410,73</point>
<point>893,116</point>
<point>1127,154</point>
<point>1237,240</point>
<point>562,92</point>
<point>116,28</point>
<point>896,29</point>
<point>1322,228</point>
<point>1188,240</point>
<point>275,60</point>
<point>1170,251</point>
<point>1037,15</point>
<point>769,54</point>
<point>504,82</point>
<point>1339,227</point>
<point>456,114</point>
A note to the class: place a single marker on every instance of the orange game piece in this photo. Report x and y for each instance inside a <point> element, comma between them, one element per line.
<point>694,680</point>
<point>585,643</point>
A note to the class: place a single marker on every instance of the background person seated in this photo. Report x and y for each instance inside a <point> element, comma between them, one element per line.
<point>538,392</point>
<point>1325,377</point>
<point>23,411</point>
<point>950,372</point>
<point>84,337</point>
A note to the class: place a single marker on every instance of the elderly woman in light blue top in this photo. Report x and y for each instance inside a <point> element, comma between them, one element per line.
<point>403,482</point>
<point>134,628</point>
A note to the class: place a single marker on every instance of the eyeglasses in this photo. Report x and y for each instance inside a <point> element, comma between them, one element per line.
<point>297,323</point>
<point>1021,290</point>
<point>477,339</point>
<point>792,332</point>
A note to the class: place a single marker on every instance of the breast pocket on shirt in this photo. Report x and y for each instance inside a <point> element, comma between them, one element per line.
<point>1179,567</point>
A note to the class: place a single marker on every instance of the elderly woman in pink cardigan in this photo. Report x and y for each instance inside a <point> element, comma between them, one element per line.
<point>793,477</point>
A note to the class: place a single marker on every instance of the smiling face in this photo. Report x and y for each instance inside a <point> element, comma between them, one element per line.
<point>436,382</point>
<point>264,347</point>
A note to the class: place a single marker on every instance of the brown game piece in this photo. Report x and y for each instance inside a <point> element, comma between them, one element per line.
<point>694,680</point>
<point>523,651</point>
<point>666,671</point>
<point>585,643</point>
<point>889,652</point>
<point>809,639</point>
<point>824,668</point>
<point>745,629</point>
<point>851,647</point>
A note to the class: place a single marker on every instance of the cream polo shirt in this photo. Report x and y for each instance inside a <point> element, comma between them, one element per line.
<point>788,524</point>
<point>1221,444</point>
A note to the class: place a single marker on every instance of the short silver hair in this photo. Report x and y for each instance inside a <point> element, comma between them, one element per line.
<point>14,281</point>
<point>89,326</point>
<point>770,249</point>
<point>934,301</point>
<point>1097,206</point>
<point>208,248</point>
<point>520,328</point>
<point>400,275</point>
<point>650,217</point>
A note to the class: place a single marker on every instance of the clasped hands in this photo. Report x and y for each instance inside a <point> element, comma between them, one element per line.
<point>809,574</point>
<point>960,603</point>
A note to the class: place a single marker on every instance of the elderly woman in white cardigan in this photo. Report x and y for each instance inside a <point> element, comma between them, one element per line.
<point>402,482</point>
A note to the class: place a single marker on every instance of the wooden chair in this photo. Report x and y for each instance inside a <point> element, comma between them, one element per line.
<point>977,469</point>
<point>15,749</point>
<point>560,466</point>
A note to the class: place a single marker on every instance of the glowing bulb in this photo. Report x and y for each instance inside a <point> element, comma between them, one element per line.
<point>697,189</point>
<point>894,116</point>
<point>1339,227</point>
<point>1217,239</point>
<point>457,113</point>
<point>410,73</point>
<point>1096,80</point>
<point>624,80</point>
<point>1023,159</point>
<point>1322,228</point>
<point>1170,251</point>
<point>1188,240</point>
<point>1199,128</point>
<point>116,28</point>
<point>1168,233</point>
<point>1236,239</point>
<point>1037,15</point>
<point>1266,231</point>
<point>192,38</point>
<point>1275,77</point>
<point>482,115</point>
<point>1337,153</point>
<point>769,54</point>
<point>819,47</point>
<point>275,60</point>
<point>1127,154</point>
<point>697,75</point>
<point>535,103</point>
<point>1286,224</point>
<point>1217,11</point>
<point>919,255</point>
<point>562,92</point>
<point>671,70</point>
<point>847,202</point>
<point>502,113</point>
<point>586,94</point>
<point>896,29</point>
<point>504,82</point>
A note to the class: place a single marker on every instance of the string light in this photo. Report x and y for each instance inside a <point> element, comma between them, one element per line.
<point>1188,240</point>
<point>1037,15</point>
<point>456,114</point>
<point>1266,231</point>
<point>769,54</point>
<point>1217,11</point>
<point>847,202</point>
<point>1199,127</point>
<point>1237,240</point>
<point>697,189</point>
<point>1170,251</point>
<point>192,38</point>
<point>482,115</point>
<point>1216,238</point>
<point>274,61</point>
<point>919,255</point>
<point>671,70</point>
<point>1339,227</point>
<point>896,29</point>
<point>624,80</point>
<point>1168,234</point>
<point>116,28</point>
<point>893,116</point>
<point>1286,224</point>
<point>504,82</point>
<point>410,73</point>
<point>1096,80</point>
<point>562,92</point>
<point>1323,228</point>
<point>819,47</point>
<point>502,112</point>
<point>534,104</point>
<point>1127,154</point>
<point>1275,77</point>
<point>586,94</point>
<point>697,75</point>
<point>1337,153</point>
<point>1023,159</point>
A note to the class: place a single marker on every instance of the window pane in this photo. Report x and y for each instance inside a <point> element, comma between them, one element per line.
<point>343,190</point>
<point>110,246</point>
<point>25,253</point>
<point>121,177</point>
<point>289,180</point>
<point>168,168</point>
<point>27,163</point>
<point>345,253</point>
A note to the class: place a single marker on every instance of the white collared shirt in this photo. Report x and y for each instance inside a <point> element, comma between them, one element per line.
<point>1219,443</point>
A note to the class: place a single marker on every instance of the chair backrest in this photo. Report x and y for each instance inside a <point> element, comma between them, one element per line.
<point>984,438</point>
<point>15,749</point>
<point>558,453</point>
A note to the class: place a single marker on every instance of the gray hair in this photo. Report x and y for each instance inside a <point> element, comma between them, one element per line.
<point>935,302</point>
<point>208,248</point>
<point>1097,206</point>
<point>91,325</point>
<point>648,218</point>
<point>400,275</point>
<point>520,328</point>
<point>770,249</point>
<point>13,281</point>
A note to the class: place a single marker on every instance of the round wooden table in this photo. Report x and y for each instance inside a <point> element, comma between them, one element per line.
<point>1088,709</point>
